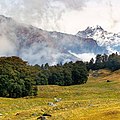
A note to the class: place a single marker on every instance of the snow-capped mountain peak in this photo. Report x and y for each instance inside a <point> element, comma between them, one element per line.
<point>89,32</point>
<point>102,37</point>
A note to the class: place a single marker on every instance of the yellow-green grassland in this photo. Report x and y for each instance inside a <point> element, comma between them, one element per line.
<point>98,99</point>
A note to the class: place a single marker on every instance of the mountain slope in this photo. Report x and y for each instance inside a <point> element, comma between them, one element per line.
<point>38,46</point>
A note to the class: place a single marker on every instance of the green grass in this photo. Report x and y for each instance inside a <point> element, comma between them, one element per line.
<point>95,100</point>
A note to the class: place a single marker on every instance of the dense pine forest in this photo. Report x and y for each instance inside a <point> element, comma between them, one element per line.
<point>19,79</point>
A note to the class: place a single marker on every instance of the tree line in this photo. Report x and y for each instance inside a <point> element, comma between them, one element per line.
<point>111,62</point>
<point>67,74</point>
<point>19,79</point>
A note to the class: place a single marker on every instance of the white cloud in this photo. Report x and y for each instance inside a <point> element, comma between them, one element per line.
<point>84,56</point>
<point>68,16</point>
<point>6,47</point>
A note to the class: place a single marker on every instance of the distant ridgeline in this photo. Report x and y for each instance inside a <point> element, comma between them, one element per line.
<point>19,79</point>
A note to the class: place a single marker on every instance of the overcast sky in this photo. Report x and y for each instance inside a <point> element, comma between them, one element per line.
<point>68,16</point>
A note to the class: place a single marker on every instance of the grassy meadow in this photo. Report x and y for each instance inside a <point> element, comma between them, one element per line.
<point>95,100</point>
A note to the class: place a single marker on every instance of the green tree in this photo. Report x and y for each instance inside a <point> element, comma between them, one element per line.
<point>17,78</point>
<point>79,75</point>
<point>41,79</point>
<point>67,77</point>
